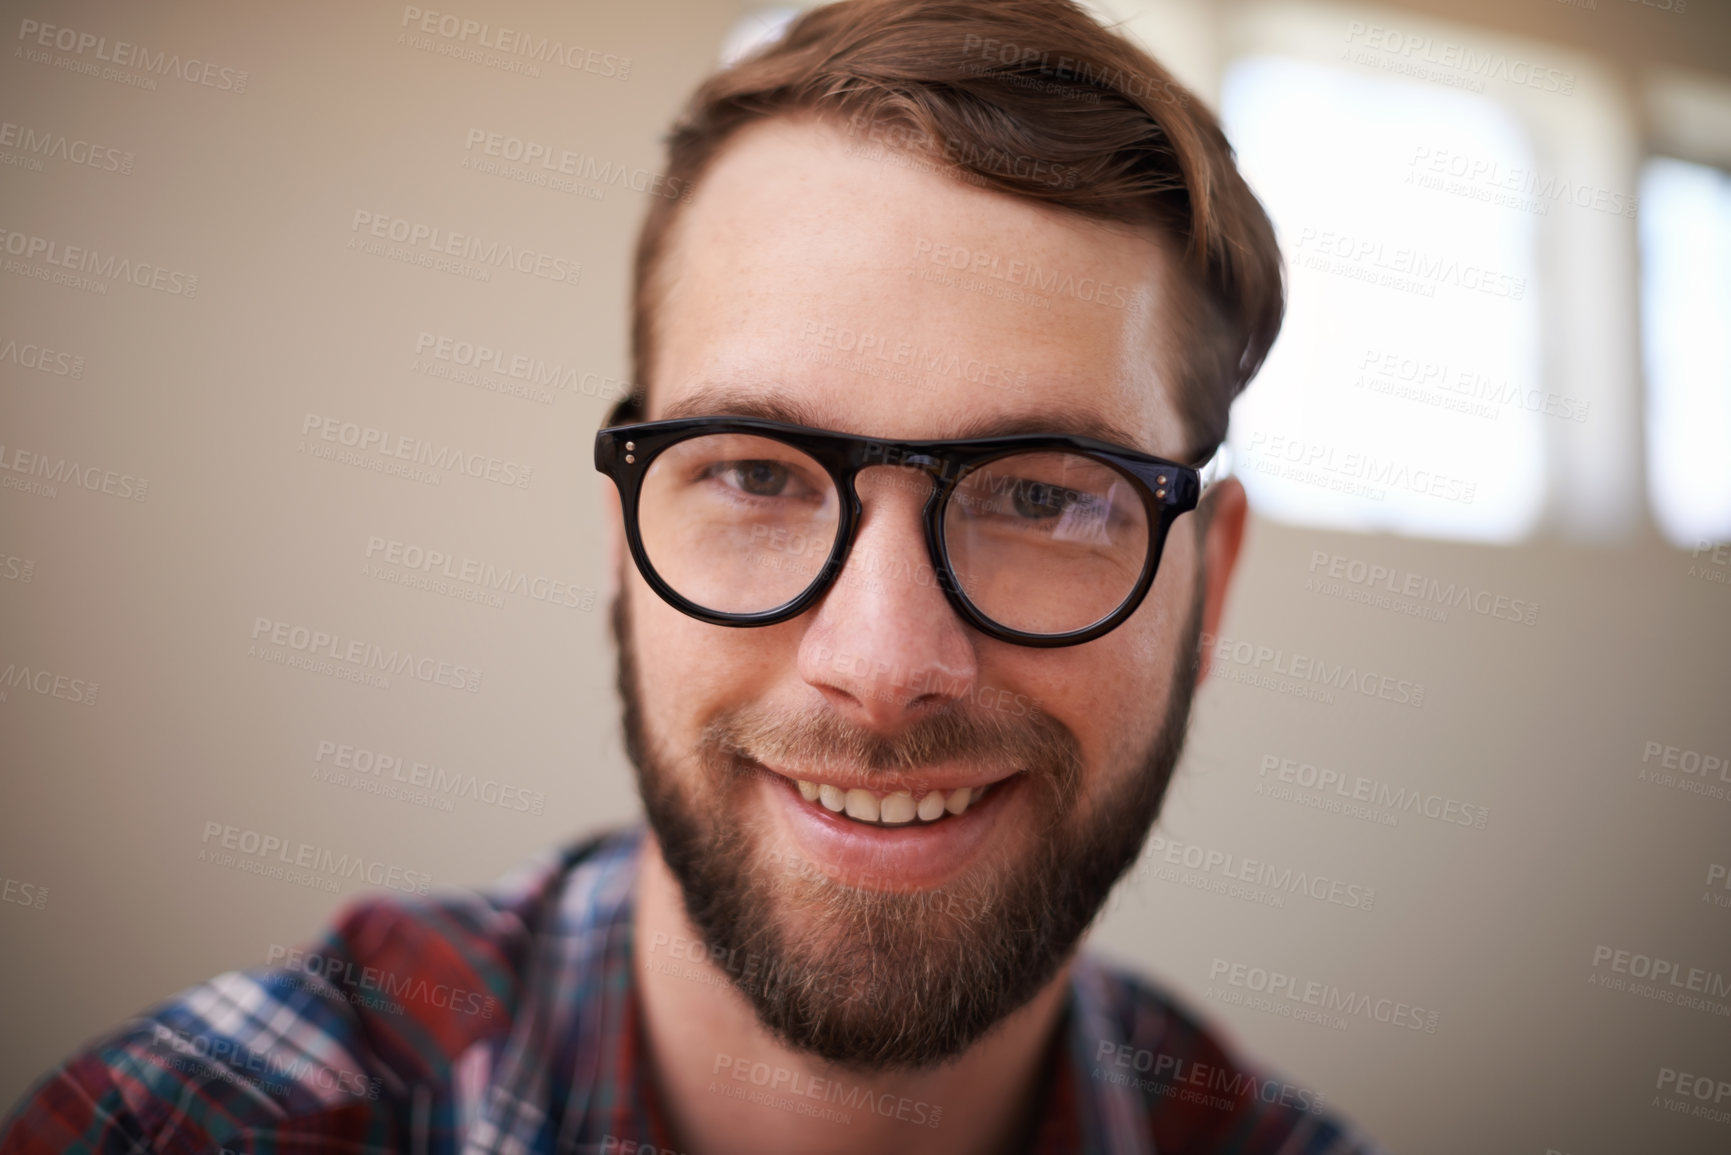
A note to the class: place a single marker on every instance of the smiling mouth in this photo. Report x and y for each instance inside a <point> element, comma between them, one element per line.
<point>897,808</point>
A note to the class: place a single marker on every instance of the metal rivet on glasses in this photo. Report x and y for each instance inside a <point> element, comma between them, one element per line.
<point>629,459</point>
<point>1157,492</point>
<point>633,445</point>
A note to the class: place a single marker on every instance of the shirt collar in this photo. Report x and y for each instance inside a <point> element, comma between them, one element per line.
<point>575,1069</point>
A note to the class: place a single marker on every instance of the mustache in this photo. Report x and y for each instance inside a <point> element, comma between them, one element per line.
<point>777,735</point>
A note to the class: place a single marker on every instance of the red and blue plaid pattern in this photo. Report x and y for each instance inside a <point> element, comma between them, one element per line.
<point>508,1022</point>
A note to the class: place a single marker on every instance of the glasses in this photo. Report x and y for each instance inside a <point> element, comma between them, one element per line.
<point>1036,539</point>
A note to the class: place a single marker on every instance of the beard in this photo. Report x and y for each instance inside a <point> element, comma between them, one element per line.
<point>870,979</point>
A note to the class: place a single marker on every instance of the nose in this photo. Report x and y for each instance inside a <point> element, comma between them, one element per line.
<point>884,645</point>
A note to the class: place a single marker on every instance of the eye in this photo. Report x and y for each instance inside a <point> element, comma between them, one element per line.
<point>758,478</point>
<point>1036,499</point>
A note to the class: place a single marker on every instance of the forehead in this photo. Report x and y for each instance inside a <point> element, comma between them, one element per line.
<point>817,273</point>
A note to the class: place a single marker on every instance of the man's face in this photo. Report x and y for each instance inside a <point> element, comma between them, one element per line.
<point>880,945</point>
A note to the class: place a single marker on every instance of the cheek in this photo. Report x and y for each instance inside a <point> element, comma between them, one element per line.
<point>688,670</point>
<point>1115,700</point>
<point>672,675</point>
<point>1112,693</point>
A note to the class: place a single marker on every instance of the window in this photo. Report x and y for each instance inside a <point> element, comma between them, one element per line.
<point>1401,395</point>
<point>1685,224</point>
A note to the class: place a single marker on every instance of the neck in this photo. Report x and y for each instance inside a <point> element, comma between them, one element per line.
<point>728,1085</point>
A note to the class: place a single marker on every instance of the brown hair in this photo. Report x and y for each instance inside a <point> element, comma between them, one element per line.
<point>1035,99</point>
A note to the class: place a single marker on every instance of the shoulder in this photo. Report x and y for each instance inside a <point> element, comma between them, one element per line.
<point>1138,1043</point>
<point>325,1044</point>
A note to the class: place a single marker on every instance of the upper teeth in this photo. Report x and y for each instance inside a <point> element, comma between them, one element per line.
<point>896,809</point>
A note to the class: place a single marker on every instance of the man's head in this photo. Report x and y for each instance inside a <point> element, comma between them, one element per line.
<point>924,221</point>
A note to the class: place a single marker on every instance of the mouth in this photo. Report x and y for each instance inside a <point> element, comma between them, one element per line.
<point>905,807</point>
<point>913,831</point>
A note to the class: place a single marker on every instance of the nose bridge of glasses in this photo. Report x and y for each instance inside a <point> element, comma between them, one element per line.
<point>916,467</point>
<point>891,535</point>
<point>897,483</point>
<point>909,482</point>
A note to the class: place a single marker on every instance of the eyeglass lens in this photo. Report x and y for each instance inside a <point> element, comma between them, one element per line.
<point>1046,542</point>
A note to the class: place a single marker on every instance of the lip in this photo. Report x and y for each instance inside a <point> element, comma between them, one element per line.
<point>918,856</point>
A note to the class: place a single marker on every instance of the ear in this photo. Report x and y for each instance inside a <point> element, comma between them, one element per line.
<point>1225,534</point>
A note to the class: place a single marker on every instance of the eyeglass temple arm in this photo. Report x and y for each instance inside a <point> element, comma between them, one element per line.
<point>1215,470</point>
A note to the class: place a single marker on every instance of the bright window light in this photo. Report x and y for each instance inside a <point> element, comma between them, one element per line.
<point>1685,221</point>
<point>757,29</point>
<point>1401,394</point>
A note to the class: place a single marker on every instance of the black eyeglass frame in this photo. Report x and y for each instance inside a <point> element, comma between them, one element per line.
<point>1167,489</point>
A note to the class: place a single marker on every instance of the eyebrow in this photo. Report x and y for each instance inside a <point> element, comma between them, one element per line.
<point>1083,424</point>
<point>731,401</point>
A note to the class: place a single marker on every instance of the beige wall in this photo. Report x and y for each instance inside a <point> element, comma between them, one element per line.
<point>156,599</point>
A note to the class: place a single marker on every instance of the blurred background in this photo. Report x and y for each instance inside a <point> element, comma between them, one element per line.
<point>253,411</point>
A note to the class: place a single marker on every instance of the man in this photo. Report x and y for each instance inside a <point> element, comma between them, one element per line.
<point>914,559</point>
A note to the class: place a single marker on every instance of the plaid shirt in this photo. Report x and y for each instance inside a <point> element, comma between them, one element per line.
<point>508,1022</point>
